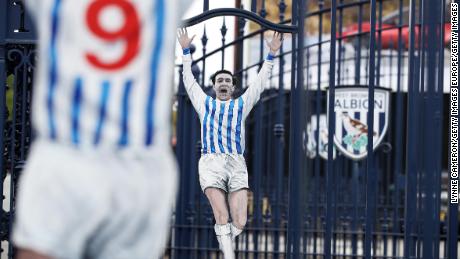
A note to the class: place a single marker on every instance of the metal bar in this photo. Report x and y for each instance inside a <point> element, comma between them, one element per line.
<point>316,188</point>
<point>295,199</point>
<point>204,41</point>
<point>398,155</point>
<point>379,43</point>
<point>335,179</point>
<point>331,131</point>
<point>223,31</point>
<point>254,6</point>
<point>339,62</point>
<point>239,49</point>
<point>432,13</point>
<point>302,96</point>
<point>257,165</point>
<point>421,170</point>
<point>292,179</point>
<point>259,112</point>
<point>411,164</point>
<point>278,130</point>
<point>268,173</point>
<point>371,182</point>
<point>335,183</point>
<point>262,13</point>
<point>205,5</point>
<point>193,173</point>
<point>439,130</point>
<point>200,234</point>
<point>358,47</point>
<point>181,157</point>
<point>355,197</point>
<point>187,177</point>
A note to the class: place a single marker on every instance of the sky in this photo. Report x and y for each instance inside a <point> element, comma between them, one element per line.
<point>213,26</point>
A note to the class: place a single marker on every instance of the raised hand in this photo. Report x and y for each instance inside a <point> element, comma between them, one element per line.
<point>182,37</point>
<point>275,43</point>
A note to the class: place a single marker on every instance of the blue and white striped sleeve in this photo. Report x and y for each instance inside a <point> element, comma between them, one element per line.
<point>252,94</point>
<point>194,91</point>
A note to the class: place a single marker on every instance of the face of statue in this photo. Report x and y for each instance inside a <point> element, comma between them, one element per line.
<point>223,86</point>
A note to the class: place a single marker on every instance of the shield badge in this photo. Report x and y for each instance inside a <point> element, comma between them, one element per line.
<point>309,137</point>
<point>351,127</point>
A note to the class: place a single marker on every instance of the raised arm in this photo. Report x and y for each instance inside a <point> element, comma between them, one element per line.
<point>252,94</point>
<point>194,91</point>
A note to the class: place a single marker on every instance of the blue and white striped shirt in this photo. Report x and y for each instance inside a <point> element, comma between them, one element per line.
<point>104,76</point>
<point>222,122</point>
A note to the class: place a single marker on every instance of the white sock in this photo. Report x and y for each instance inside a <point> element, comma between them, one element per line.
<point>224,236</point>
<point>235,231</point>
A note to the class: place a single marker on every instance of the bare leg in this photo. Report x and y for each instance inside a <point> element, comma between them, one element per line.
<point>217,198</point>
<point>28,254</point>
<point>238,202</point>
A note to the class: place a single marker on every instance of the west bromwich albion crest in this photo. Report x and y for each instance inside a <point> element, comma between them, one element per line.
<point>351,127</point>
<point>310,141</point>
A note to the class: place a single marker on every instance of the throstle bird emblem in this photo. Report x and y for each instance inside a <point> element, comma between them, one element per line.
<point>354,127</point>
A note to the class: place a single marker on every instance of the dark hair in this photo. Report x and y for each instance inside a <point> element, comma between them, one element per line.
<point>223,71</point>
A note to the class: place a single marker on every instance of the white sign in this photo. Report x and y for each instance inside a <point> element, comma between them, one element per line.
<point>351,106</point>
<point>309,137</point>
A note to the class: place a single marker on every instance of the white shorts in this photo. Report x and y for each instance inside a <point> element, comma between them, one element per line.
<point>104,205</point>
<point>224,171</point>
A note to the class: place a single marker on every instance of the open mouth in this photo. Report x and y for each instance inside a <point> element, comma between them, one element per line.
<point>223,91</point>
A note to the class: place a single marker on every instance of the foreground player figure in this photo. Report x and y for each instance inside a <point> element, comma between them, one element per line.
<point>100,180</point>
<point>222,168</point>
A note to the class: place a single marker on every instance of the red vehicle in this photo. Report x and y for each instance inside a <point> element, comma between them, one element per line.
<point>389,33</point>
